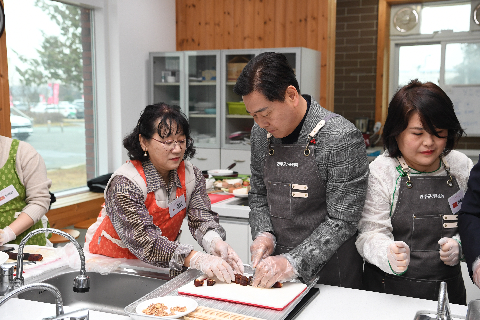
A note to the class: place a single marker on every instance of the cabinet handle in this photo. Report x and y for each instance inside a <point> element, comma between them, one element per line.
<point>201,158</point>
<point>238,160</point>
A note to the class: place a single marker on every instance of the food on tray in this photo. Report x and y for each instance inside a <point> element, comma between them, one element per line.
<point>198,282</point>
<point>247,281</point>
<point>228,185</point>
<point>26,256</point>
<point>161,310</point>
<point>211,282</point>
<point>215,314</point>
<point>240,191</point>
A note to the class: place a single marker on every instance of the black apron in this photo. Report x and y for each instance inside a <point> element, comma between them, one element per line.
<point>296,198</point>
<point>422,216</point>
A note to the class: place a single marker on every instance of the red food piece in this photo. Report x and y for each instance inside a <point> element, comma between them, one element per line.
<point>277,285</point>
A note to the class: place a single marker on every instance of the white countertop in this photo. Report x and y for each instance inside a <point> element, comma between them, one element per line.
<point>332,303</point>
<point>342,303</point>
<point>228,208</point>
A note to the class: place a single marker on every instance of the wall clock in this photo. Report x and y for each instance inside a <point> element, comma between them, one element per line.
<point>405,19</point>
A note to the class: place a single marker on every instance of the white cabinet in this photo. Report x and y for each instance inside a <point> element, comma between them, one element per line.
<point>201,83</point>
<point>207,159</point>
<point>240,157</point>
<point>238,236</point>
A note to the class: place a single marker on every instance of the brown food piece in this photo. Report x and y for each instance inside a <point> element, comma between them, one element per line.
<point>237,278</point>
<point>277,285</point>
<point>250,280</point>
<point>210,282</point>
<point>198,282</point>
<point>26,256</point>
<point>244,281</point>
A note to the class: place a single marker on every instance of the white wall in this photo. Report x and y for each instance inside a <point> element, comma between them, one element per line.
<point>125,32</point>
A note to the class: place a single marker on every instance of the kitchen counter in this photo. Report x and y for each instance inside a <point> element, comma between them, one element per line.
<point>332,303</point>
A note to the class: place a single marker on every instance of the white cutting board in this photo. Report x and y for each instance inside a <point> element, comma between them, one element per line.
<point>273,298</point>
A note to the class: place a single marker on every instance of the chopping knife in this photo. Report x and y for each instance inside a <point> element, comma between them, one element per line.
<point>6,249</point>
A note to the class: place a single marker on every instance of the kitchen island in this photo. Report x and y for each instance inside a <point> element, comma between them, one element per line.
<point>331,303</point>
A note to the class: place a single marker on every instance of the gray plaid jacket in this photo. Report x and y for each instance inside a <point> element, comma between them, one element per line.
<point>342,163</point>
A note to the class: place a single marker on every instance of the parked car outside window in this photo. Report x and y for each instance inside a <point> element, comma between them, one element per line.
<point>21,124</point>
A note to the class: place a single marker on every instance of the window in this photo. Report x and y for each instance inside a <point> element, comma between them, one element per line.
<point>49,49</point>
<point>441,46</point>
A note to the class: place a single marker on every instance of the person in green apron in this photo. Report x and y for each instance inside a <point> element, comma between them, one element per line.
<point>408,234</point>
<point>24,192</point>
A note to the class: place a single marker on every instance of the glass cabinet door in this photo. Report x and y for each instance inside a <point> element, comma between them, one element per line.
<point>167,78</point>
<point>203,94</point>
<point>237,122</point>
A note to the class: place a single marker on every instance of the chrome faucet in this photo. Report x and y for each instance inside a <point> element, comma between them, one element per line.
<point>443,307</point>
<point>37,286</point>
<point>80,284</point>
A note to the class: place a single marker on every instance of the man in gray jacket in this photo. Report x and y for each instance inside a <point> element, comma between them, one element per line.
<point>309,179</point>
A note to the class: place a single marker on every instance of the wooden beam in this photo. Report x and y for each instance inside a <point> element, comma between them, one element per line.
<point>5,126</point>
<point>70,210</point>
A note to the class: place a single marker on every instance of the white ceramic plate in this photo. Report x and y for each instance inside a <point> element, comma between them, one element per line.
<point>220,172</point>
<point>3,257</point>
<point>239,195</point>
<point>170,302</point>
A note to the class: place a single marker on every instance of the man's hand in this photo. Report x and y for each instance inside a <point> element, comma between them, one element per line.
<point>262,247</point>
<point>273,269</point>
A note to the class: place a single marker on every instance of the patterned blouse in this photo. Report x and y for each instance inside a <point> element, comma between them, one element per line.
<point>124,204</point>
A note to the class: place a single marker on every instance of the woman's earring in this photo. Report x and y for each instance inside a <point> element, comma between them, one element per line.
<point>145,154</point>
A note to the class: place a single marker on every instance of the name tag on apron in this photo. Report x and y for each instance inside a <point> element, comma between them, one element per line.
<point>7,194</point>
<point>455,201</point>
<point>177,205</point>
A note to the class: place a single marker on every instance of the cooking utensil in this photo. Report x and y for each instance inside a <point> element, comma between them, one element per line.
<point>5,248</point>
<point>231,166</point>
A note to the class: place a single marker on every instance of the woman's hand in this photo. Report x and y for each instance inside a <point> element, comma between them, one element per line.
<point>221,249</point>
<point>262,247</point>
<point>212,266</point>
<point>273,269</point>
<point>449,251</point>
<point>398,256</point>
<point>6,235</point>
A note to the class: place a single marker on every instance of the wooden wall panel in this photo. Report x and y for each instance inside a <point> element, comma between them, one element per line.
<point>5,126</point>
<point>248,24</point>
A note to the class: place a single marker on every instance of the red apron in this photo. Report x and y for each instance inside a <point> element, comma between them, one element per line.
<point>170,226</point>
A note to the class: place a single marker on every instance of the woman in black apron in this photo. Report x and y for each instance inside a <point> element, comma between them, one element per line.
<point>408,231</point>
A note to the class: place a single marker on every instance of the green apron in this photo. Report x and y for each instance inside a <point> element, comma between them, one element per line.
<point>9,176</point>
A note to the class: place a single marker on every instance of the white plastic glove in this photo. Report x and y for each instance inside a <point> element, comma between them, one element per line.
<point>398,254</point>
<point>7,235</point>
<point>271,270</point>
<point>449,251</point>
<point>221,249</point>
<point>262,247</point>
<point>212,266</point>
<point>476,272</point>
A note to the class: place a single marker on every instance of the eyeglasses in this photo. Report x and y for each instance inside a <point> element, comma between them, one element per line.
<point>169,145</point>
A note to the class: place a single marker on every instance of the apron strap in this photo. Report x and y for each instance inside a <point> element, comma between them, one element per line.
<point>406,169</point>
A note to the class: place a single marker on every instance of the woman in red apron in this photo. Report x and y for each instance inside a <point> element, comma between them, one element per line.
<point>147,199</point>
<point>408,230</point>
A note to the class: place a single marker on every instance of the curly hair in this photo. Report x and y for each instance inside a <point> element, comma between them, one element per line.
<point>434,107</point>
<point>171,118</point>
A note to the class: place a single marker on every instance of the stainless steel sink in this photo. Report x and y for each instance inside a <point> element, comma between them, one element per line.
<point>108,293</point>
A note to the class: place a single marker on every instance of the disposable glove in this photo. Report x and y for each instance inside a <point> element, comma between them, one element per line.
<point>221,249</point>
<point>273,269</point>
<point>262,247</point>
<point>398,254</point>
<point>7,235</point>
<point>449,251</point>
<point>212,266</point>
<point>476,272</point>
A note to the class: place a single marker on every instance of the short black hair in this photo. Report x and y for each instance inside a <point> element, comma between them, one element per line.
<point>434,107</point>
<point>170,117</point>
<point>268,73</point>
